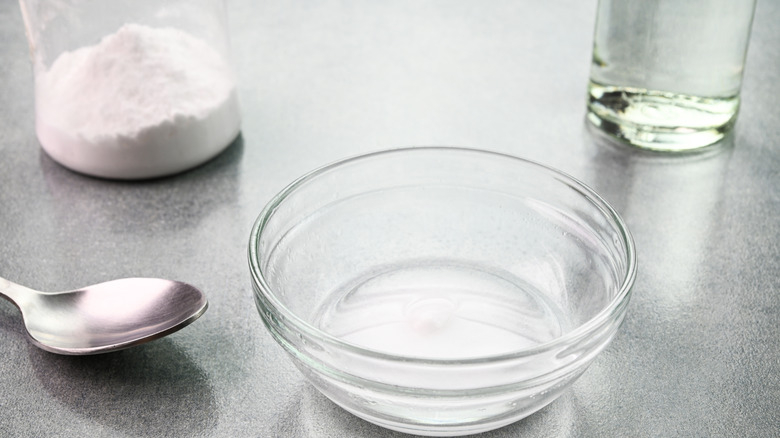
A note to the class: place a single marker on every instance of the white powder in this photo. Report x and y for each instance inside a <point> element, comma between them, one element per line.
<point>143,102</point>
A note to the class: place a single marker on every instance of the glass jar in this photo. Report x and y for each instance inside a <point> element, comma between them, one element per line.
<point>131,90</point>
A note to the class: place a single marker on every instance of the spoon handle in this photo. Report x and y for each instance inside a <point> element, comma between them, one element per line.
<point>16,293</point>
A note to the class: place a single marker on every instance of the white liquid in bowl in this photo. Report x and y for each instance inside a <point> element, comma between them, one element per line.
<point>441,312</point>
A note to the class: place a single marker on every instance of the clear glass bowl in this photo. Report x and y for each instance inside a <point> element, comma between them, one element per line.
<point>441,291</point>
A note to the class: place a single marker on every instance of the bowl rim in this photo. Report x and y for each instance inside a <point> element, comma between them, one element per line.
<point>618,302</point>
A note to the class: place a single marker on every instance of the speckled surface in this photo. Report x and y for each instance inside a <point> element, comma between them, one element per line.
<point>698,354</point>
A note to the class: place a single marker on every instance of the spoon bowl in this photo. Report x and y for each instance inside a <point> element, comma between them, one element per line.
<point>105,317</point>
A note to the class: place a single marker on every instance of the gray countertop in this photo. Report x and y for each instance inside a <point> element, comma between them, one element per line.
<point>699,351</point>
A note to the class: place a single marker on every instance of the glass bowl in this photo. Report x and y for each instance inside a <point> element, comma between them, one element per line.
<point>441,291</point>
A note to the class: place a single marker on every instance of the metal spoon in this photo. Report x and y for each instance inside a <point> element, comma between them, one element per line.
<point>107,316</point>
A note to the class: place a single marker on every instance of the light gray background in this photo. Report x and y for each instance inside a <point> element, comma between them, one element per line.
<point>321,80</point>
